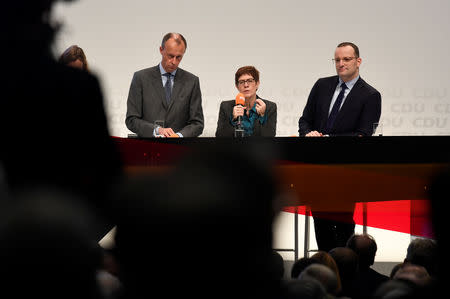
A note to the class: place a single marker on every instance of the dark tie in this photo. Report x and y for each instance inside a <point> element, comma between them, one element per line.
<point>335,110</point>
<point>167,87</point>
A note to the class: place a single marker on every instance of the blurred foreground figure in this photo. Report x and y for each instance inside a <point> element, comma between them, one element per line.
<point>47,247</point>
<point>203,230</point>
<point>439,195</point>
<point>53,121</point>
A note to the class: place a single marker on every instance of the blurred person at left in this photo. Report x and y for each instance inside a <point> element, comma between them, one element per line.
<point>46,250</point>
<point>55,131</point>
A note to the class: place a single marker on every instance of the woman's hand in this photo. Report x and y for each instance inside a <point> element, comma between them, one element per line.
<point>238,110</point>
<point>260,107</point>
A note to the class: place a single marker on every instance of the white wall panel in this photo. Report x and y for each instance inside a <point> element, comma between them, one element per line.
<point>404,45</point>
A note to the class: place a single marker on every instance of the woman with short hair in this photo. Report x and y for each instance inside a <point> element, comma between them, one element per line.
<point>256,117</point>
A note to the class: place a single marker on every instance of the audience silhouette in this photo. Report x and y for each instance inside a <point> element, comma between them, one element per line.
<point>277,264</point>
<point>347,263</point>
<point>423,252</point>
<point>367,279</point>
<point>324,275</point>
<point>303,289</point>
<point>186,224</point>
<point>418,275</point>
<point>47,246</point>
<point>439,195</point>
<point>54,121</point>
<point>408,282</point>
<point>394,270</point>
<point>300,265</point>
<point>396,289</point>
<point>326,259</point>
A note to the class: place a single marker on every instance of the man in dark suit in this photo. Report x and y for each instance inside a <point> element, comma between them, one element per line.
<point>337,106</point>
<point>168,93</point>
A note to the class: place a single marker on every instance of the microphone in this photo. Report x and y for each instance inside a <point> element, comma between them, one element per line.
<point>238,130</point>
<point>240,100</point>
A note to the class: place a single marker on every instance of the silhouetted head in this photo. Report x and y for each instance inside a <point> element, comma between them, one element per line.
<point>304,289</point>
<point>395,289</point>
<point>418,275</point>
<point>322,274</point>
<point>365,247</point>
<point>300,265</point>
<point>347,263</point>
<point>47,247</point>
<point>423,252</point>
<point>28,24</point>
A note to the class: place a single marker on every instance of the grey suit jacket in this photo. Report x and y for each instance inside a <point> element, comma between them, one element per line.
<point>147,103</point>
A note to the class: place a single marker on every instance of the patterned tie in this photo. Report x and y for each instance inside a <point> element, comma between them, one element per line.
<point>168,87</point>
<point>335,110</point>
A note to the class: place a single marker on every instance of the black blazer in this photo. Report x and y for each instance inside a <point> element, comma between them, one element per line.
<point>226,129</point>
<point>360,110</point>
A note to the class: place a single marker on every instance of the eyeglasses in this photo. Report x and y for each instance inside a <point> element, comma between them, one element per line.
<point>249,81</point>
<point>345,59</point>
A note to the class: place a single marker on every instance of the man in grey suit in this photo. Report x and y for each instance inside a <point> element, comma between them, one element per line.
<point>168,93</point>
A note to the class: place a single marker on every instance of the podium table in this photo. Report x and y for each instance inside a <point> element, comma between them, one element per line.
<point>324,174</point>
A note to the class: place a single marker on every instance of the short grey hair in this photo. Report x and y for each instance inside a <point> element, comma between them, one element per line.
<point>323,275</point>
<point>178,37</point>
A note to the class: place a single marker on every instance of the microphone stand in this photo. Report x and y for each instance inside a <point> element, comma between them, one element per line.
<point>238,129</point>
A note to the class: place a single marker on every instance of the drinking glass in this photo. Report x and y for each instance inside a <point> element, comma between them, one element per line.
<point>159,123</point>
<point>377,129</point>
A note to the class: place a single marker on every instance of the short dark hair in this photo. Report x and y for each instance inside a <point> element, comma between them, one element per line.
<point>355,47</point>
<point>300,265</point>
<point>178,37</point>
<point>246,70</point>
<point>365,247</point>
<point>73,53</point>
<point>423,252</point>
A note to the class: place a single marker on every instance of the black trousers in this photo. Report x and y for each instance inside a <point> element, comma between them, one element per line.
<point>333,229</point>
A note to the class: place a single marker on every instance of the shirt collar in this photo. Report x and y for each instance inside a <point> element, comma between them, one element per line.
<point>163,71</point>
<point>350,83</point>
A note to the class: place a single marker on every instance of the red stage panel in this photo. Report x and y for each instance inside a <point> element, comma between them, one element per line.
<point>405,216</point>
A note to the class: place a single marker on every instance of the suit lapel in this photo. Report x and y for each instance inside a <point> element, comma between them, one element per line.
<point>156,82</point>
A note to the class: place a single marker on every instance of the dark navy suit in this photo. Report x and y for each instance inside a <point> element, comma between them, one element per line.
<point>360,110</point>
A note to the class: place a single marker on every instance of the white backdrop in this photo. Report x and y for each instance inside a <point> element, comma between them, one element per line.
<point>404,44</point>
